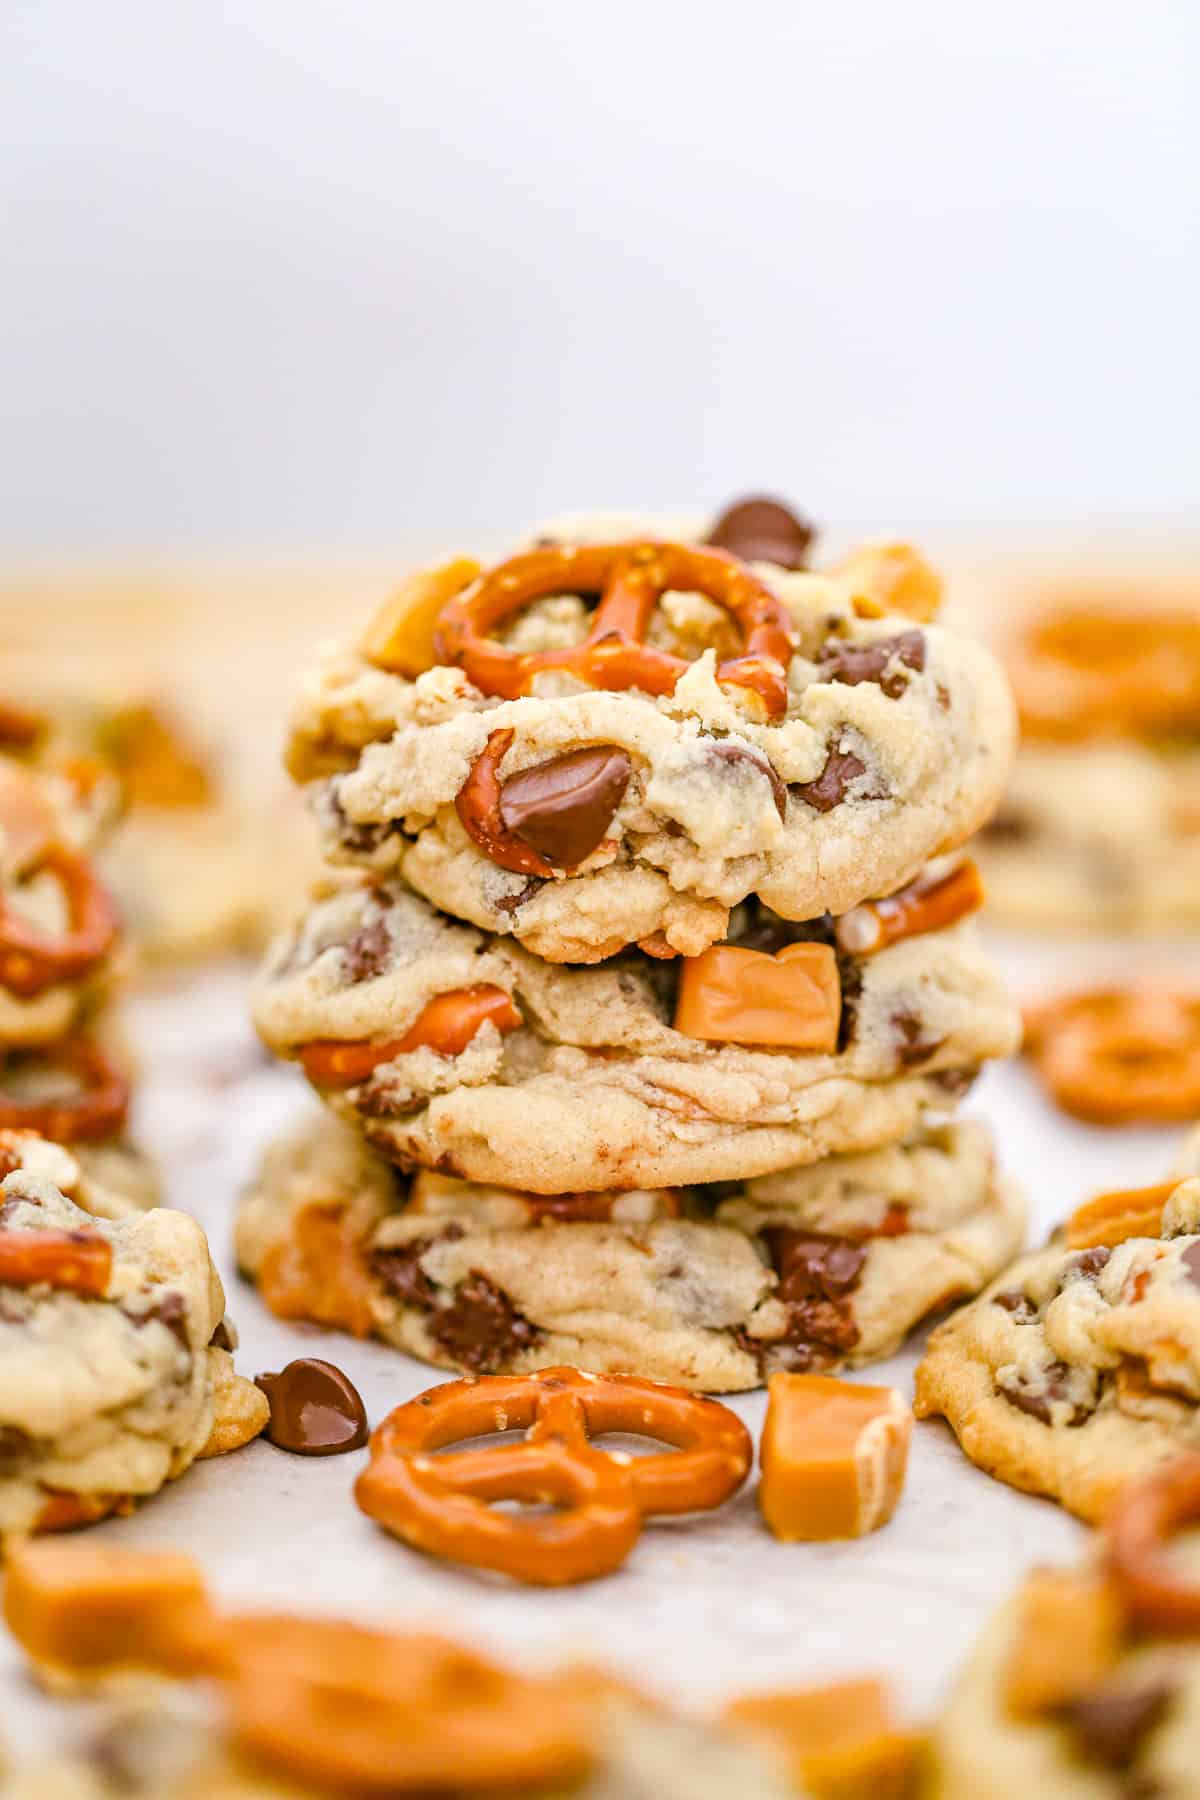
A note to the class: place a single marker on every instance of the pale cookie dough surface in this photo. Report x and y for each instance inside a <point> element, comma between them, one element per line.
<point>117,1394</point>
<point>1077,1370</point>
<point>706,1291</point>
<point>982,1752</point>
<point>110,1180</point>
<point>1098,836</point>
<point>596,1089</point>
<point>913,758</point>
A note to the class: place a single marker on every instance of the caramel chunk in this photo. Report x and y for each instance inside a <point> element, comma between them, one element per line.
<point>792,1000</point>
<point>833,1456</point>
<point>842,1742</point>
<point>891,578</point>
<point>85,1610</point>
<point>400,636</point>
<point>1111,1218</point>
<point>1066,1641</point>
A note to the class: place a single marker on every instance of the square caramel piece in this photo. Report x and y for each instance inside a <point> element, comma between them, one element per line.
<point>833,1456</point>
<point>841,1742</point>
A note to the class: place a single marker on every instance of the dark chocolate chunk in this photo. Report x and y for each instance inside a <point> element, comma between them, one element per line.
<point>315,1409</point>
<point>1191,1262</point>
<point>753,926</point>
<point>1110,1724</point>
<point>812,1264</point>
<point>15,1446</point>
<point>884,662</point>
<point>562,808</point>
<point>359,840</point>
<point>829,789</point>
<point>741,753</point>
<point>1039,1402</point>
<point>400,1271</point>
<point>912,1045</point>
<point>512,903</point>
<point>366,955</point>
<point>1018,1304</point>
<point>759,529</point>
<point>481,1328</point>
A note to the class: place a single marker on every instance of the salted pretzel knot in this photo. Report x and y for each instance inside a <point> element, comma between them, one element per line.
<point>33,958</point>
<point>442,1504</point>
<point>1158,1594</point>
<point>629,580</point>
<point>1117,1055</point>
<point>96,1110</point>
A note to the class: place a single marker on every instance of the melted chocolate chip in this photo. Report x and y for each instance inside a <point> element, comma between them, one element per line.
<point>829,789</point>
<point>512,903</point>
<point>912,1046</point>
<point>15,1446</point>
<point>1191,1263</point>
<point>170,1311</point>
<point>1087,1265</point>
<point>367,953</point>
<point>400,1271</point>
<point>1111,1724</point>
<point>759,529</point>
<point>359,840</point>
<point>739,753</point>
<point>817,1273</point>
<point>1038,1402</point>
<point>563,808</point>
<point>481,1328</point>
<point>754,926</point>
<point>885,662</point>
<point>1018,1304</point>
<point>315,1409</point>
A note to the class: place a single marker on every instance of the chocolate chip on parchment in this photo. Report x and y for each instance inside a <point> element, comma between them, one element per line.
<point>316,1410</point>
<point>884,662</point>
<point>563,808</point>
<point>1110,1724</point>
<point>829,788</point>
<point>759,529</point>
<point>740,753</point>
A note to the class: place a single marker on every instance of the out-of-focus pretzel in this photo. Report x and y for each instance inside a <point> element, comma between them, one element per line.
<point>79,1262</point>
<point>31,959</point>
<point>1080,669</point>
<point>629,578</point>
<point>446,1025</point>
<point>1148,1513</point>
<point>98,1110</point>
<point>442,1504</point>
<point>1114,1056</point>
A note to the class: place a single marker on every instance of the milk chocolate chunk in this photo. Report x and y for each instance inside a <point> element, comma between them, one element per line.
<point>884,662</point>
<point>738,753</point>
<point>829,789</point>
<point>1111,1723</point>
<point>481,1328</point>
<point>562,808</point>
<point>315,1409</point>
<point>759,529</point>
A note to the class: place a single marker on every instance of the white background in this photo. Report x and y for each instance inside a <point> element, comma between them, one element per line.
<point>287,274</point>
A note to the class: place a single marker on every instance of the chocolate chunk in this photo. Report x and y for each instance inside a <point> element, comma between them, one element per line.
<point>315,1409</point>
<point>1018,1304</point>
<point>1191,1262</point>
<point>170,1311</point>
<point>813,1264</point>
<point>884,662</point>
<point>753,926</point>
<point>955,1082</point>
<point>15,1446</point>
<point>739,753</point>
<point>851,977</point>
<point>1110,1724</point>
<point>1038,1402</point>
<point>224,1337</point>
<point>912,1045</point>
<point>400,1271</point>
<point>1087,1265</point>
<point>829,789</point>
<point>367,953</point>
<point>759,529</point>
<point>512,903</point>
<point>481,1328</point>
<point>359,840</point>
<point>563,808</point>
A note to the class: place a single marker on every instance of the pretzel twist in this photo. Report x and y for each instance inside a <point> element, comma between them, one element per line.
<point>629,579</point>
<point>31,959</point>
<point>1118,1055</point>
<point>442,1504</point>
<point>98,1110</point>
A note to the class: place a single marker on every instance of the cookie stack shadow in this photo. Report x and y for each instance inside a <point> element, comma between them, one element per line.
<point>642,989</point>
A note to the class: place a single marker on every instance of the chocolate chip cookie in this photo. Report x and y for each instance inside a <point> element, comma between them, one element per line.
<point>1078,1368</point>
<point>711,1289</point>
<point>115,1372</point>
<point>596,744</point>
<point>460,1051</point>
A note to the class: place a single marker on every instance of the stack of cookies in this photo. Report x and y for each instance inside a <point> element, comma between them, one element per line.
<point>642,989</point>
<point>60,956</point>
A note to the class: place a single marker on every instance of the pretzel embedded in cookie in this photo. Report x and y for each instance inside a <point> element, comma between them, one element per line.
<point>1118,1055</point>
<point>629,579</point>
<point>446,1026</point>
<point>931,903</point>
<point>1148,1514</point>
<point>97,1110</point>
<point>79,1262</point>
<point>441,1504</point>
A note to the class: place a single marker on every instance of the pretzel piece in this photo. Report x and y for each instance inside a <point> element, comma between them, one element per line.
<point>1066,1641</point>
<point>83,1610</point>
<point>98,1110</point>
<point>833,1456</point>
<point>924,905</point>
<point>31,960</point>
<point>791,1000</point>
<point>446,1026</point>
<point>77,1262</point>
<point>1116,1056</point>
<point>629,578</point>
<point>1146,1516</point>
<point>441,1504</point>
<point>1111,1218</point>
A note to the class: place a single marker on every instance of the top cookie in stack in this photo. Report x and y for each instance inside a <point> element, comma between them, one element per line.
<point>735,785</point>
